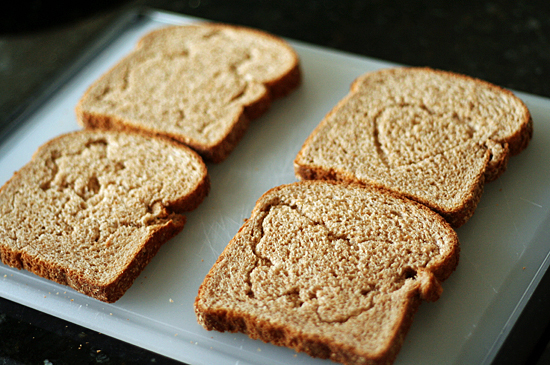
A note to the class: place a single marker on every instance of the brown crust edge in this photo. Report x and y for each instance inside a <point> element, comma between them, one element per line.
<point>513,144</point>
<point>113,291</point>
<point>457,217</point>
<point>225,321</point>
<point>219,151</point>
<point>315,346</point>
<point>186,203</point>
<point>110,292</point>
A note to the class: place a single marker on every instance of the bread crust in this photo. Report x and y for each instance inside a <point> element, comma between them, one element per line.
<point>234,318</point>
<point>215,151</point>
<point>315,346</point>
<point>456,217</point>
<point>110,292</point>
<point>47,265</point>
<point>498,149</point>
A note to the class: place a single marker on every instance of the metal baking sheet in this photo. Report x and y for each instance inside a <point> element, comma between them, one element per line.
<point>505,246</point>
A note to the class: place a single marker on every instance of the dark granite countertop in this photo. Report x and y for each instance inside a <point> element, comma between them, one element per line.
<point>504,42</point>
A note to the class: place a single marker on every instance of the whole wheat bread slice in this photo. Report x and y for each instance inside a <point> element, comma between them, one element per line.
<point>433,136</point>
<point>198,84</point>
<point>330,269</point>
<point>91,209</point>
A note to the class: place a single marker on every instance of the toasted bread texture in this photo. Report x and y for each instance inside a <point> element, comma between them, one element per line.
<point>331,269</point>
<point>91,209</point>
<point>197,84</point>
<point>433,136</point>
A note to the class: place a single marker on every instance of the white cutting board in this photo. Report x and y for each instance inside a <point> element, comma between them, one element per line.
<point>504,247</point>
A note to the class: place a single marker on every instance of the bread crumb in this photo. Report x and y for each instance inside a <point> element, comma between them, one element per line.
<point>72,300</point>
<point>259,349</point>
<point>98,351</point>
<point>524,268</point>
<point>171,301</point>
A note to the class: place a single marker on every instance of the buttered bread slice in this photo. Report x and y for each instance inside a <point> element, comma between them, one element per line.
<point>91,209</point>
<point>197,84</point>
<point>433,136</point>
<point>330,269</point>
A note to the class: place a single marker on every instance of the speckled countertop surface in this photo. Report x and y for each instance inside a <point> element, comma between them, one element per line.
<point>504,42</point>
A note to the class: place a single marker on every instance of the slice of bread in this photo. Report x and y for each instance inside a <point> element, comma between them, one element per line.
<point>330,269</point>
<point>433,136</point>
<point>91,209</point>
<point>199,85</point>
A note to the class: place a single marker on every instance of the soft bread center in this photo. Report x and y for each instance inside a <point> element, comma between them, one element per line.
<point>408,134</point>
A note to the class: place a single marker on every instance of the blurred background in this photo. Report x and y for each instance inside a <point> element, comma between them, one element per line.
<point>504,42</point>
